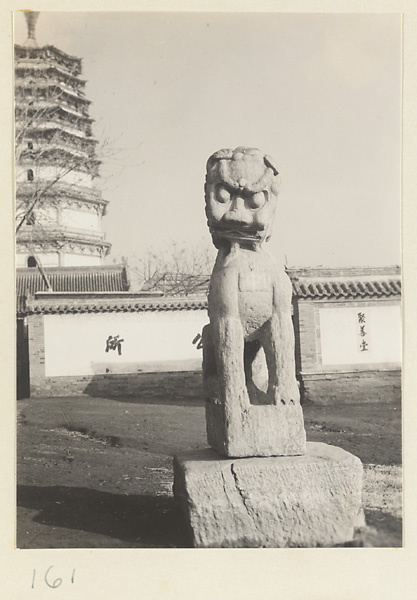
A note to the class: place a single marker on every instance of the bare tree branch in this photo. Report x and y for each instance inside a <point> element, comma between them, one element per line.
<point>176,269</point>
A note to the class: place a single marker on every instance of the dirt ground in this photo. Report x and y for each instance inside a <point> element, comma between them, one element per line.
<point>97,472</point>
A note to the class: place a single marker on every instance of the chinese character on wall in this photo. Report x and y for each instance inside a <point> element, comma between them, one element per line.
<point>198,340</point>
<point>362,332</point>
<point>113,343</point>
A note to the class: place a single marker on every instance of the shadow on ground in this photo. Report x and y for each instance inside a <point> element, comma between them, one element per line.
<point>180,388</point>
<point>140,521</point>
<point>385,529</point>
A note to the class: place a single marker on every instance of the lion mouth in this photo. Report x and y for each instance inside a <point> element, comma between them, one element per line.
<point>237,234</point>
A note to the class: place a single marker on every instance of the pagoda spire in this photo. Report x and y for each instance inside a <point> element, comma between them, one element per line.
<point>31,17</point>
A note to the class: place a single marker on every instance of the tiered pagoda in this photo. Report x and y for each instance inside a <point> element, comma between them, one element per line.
<point>58,208</point>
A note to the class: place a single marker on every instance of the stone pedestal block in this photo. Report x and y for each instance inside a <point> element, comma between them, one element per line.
<point>268,430</point>
<point>275,502</point>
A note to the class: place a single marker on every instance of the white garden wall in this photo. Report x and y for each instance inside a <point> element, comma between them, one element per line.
<point>75,344</point>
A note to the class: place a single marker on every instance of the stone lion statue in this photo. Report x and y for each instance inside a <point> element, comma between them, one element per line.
<point>252,397</point>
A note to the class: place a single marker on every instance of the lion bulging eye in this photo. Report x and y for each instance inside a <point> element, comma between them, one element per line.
<point>222,195</point>
<point>257,200</point>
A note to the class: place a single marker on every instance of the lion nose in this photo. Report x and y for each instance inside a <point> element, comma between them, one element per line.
<point>238,213</point>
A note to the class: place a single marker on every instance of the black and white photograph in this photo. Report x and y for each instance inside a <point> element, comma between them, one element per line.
<point>208,280</point>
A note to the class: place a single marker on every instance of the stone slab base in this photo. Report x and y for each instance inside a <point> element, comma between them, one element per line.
<point>276,502</point>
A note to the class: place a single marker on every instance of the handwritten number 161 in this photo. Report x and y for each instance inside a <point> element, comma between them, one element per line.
<point>50,582</point>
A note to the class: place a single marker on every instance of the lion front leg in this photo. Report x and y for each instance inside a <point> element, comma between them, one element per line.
<point>227,410</point>
<point>279,348</point>
<point>210,379</point>
<point>228,344</point>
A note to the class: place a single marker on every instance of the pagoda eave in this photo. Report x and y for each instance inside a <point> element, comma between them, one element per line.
<point>23,84</point>
<point>54,237</point>
<point>51,67</point>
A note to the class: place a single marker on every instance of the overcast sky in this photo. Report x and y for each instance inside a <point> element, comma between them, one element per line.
<point>319,93</point>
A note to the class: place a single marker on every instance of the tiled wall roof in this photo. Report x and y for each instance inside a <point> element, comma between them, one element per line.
<point>100,289</point>
<point>70,279</point>
<point>117,303</point>
<point>313,289</point>
<point>352,273</point>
